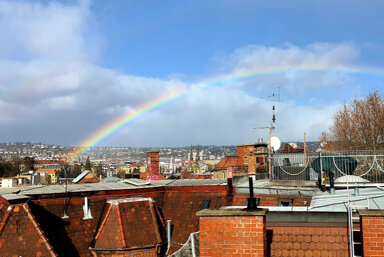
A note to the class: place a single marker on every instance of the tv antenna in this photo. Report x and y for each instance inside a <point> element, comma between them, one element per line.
<point>273,124</point>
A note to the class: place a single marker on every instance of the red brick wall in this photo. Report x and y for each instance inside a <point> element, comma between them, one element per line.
<point>373,235</point>
<point>272,200</point>
<point>181,207</point>
<point>153,165</point>
<point>231,236</point>
<point>307,239</point>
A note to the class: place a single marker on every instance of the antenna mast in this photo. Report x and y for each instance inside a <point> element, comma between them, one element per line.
<point>273,125</point>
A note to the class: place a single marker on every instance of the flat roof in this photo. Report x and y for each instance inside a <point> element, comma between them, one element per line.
<point>9,193</point>
<point>254,144</point>
<point>368,198</point>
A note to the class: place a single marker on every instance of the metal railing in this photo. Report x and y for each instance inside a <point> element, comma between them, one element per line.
<point>366,166</point>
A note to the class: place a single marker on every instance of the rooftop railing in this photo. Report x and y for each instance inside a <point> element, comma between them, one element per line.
<point>345,166</point>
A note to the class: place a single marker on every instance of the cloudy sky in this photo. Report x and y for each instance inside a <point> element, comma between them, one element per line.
<point>69,68</point>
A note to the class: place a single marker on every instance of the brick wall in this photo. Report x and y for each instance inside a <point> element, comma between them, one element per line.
<point>153,163</point>
<point>272,200</point>
<point>372,227</point>
<point>232,233</point>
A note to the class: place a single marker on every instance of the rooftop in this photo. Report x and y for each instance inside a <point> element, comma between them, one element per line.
<point>10,193</point>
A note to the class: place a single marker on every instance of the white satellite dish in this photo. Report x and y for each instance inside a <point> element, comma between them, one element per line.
<point>275,143</point>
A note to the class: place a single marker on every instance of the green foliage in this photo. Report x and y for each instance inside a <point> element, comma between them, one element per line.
<point>29,163</point>
<point>10,168</point>
<point>99,170</point>
<point>88,165</point>
<point>76,170</point>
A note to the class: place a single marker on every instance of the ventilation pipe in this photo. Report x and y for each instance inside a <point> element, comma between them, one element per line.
<point>252,201</point>
<point>331,183</point>
<point>169,235</point>
<point>356,191</point>
<point>86,209</point>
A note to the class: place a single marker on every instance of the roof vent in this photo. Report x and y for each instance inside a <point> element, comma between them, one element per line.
<point>87,209</point>
<point>356,191</point>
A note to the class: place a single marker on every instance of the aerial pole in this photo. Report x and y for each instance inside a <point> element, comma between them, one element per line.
<point>271,129</point>
<point>305,150</point>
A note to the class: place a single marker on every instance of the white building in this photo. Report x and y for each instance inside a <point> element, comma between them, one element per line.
<point>12,182</point>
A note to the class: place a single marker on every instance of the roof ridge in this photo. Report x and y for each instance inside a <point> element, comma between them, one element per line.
<point>123,239</point>
<point>103,222</point>
<point>154,220</point>
<point>5,219</point>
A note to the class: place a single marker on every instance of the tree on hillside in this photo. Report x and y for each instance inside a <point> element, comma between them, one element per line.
<point>87,164</point>
<point>121,173</point>
<point>16,164</point>
<point>99,170</point>
<point>76,170</point>
<point>29,163</point>
<point>358,125</point>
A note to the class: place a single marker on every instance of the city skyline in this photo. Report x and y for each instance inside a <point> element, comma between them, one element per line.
<point>181,74</point>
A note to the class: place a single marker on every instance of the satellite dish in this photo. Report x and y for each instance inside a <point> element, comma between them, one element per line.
<point>275,143</point>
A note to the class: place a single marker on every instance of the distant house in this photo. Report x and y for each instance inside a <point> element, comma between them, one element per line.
<point>48,164</point>
<point>86,177</point>
<point>32,177</point>
<point>249,159</point>
<point>111,172</point>
<point>13,182</point>
<point>51,173</point>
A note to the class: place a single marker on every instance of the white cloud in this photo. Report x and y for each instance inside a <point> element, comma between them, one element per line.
<point>310,67</point>
<point>49,85</point>
<point>60,103</point>
<point>37,30</point>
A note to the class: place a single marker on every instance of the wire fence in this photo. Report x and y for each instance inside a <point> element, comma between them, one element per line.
<point>346,167</point>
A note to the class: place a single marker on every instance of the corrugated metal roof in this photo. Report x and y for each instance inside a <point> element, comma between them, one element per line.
<point>372,198</point>
<point>89,187</point>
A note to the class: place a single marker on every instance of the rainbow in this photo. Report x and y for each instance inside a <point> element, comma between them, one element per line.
<point>126,118</point>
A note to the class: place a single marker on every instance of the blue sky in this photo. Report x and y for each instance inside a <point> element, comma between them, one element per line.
<point>69,67</point>
<point>158,38</point>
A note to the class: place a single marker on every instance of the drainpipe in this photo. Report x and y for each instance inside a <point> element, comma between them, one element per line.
<point>169,236</point>
<point>192,245</point>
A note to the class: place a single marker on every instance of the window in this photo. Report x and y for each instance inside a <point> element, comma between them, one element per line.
<point>285,202</point>
<point>205,204</point>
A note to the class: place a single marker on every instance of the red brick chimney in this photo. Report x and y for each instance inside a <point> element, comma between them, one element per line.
<point>372,228</point>
<point>232,232</point>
